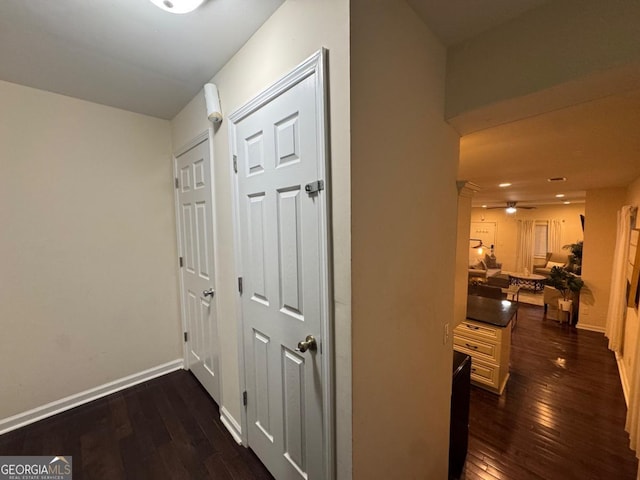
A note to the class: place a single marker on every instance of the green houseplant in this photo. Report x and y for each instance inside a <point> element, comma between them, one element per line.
<point>565,282</point>
<point>575,259</point>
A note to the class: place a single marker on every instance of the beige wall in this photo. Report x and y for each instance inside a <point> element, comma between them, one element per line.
<point>404,160</point>
<point>461,288</point>
<point>88,287</point>
<point>294,32</point>
<point>597,258</point>
<point>632,320</point>
<point>521,57</point>
<point>506,228</point>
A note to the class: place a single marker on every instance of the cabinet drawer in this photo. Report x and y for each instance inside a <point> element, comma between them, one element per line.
<point>485,373</point>
<point>479,330</point>
<point>487,350</point>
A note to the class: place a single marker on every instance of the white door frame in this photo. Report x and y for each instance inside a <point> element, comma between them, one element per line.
<point>201,137</point>
<point>314,65</point>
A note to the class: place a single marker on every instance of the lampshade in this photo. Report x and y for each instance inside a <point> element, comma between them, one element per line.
<point>178,6</point>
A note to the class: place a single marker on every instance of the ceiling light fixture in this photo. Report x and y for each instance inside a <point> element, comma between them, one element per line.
<point>511,209</point>
<point>503,185</point>
<point>484,206</point>
<point>177,6</point>
<point>560,195</point>
<point>567,203</point>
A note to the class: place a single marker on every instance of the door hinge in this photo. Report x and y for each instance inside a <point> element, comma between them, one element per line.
<point>244,398</point>
<point>240,285</point>
<point>314,187</point>
<point>235,163</point>
<point>181,262</point>
<point>186,337</point>
<point>177,183</point>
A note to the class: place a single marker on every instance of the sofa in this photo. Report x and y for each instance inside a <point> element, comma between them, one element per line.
<point>552,259</point>
<point>484,269</point>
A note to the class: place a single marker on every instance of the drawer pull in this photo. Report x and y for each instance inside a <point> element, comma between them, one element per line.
<point>475,347</point>
<point>473,370</point>
<point>473,327</point>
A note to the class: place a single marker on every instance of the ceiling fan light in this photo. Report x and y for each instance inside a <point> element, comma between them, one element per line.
<point>177,6</point>
<point>511,210</point>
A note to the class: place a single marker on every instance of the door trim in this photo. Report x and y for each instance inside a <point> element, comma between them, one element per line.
<point>316,65</point>
<point>198,139</point>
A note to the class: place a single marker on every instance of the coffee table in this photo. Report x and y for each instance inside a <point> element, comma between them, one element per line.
<point>531,281</point>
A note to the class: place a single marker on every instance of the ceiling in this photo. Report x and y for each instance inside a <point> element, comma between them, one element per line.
<point>130,54</point>
<point>594,144</point>
<point>123,53</point>
<point>456,20</point>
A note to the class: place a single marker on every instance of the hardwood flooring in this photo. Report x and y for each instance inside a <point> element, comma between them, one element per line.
<point>562,413</point>
<point>561,417</point>
<point>167,428</point>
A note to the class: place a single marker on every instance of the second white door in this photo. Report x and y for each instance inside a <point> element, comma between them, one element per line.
<point>193,169</point>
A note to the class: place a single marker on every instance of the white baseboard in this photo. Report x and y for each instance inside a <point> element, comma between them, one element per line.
<point>623,378</point>
<point>232,425</point>
<point>591,328</point>
<point>67,403</point>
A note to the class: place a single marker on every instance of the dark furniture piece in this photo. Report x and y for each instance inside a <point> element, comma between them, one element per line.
<point>500,280</point>
<point>490,292</point>
<point>490,311</point>
<point>459,426</point>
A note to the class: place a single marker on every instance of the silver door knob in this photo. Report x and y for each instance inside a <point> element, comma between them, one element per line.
<point>209,293</point>
<point>309,343</point>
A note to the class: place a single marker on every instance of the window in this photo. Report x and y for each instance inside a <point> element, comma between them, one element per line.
<point>540,246</point>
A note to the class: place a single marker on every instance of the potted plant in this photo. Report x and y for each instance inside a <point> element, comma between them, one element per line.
<point>575,259</point>
<point>567,284</point>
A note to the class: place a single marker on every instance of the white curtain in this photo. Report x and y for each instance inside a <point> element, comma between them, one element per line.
<point>525,245</point>
<point>554,239</point>
<point>617,294</point>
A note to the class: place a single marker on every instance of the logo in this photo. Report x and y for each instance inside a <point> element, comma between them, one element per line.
<point>36,468</point>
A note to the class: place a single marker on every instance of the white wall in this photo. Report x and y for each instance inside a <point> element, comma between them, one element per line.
<point>404,161</point>
<point>294,32</point>
<point>88,286</point>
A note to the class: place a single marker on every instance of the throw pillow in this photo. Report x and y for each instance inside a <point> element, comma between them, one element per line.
<point>554,264</point>
<point>490,261</point>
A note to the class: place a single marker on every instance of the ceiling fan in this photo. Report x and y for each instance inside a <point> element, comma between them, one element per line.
<point>511,207</point>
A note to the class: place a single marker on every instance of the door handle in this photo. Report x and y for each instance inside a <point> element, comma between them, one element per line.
<point>309,343</point>
<point>209,293</point>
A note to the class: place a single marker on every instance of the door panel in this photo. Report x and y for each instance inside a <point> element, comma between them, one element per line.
<point>196,234</point>
<point>281,231</point>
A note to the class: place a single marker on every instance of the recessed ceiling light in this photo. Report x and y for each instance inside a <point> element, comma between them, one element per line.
<point>557,179</point>
<point>566,203</point>
<point>484,206</point>
<point>560,195</point>
<point>178,6</point>
<point>503,185</point>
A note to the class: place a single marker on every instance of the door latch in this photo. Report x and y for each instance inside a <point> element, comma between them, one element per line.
<point>314,187</point>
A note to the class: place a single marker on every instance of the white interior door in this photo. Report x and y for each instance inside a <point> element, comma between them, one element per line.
<point>195,212</point>
<point>279,148</point>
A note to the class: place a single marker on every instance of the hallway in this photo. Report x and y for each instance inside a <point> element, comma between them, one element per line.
<point>562,414</point>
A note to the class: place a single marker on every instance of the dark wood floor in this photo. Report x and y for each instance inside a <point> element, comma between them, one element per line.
<point>562,414</point>
<point>561,417</point>
<point>167,428</point>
